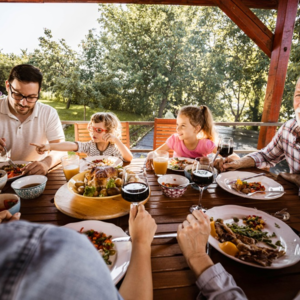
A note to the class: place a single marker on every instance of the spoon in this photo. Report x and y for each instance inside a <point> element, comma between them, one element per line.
<point>185,185</point>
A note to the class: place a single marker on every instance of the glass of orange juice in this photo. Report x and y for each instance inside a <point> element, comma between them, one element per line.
<point>70,165</point>
<point>160,162</point>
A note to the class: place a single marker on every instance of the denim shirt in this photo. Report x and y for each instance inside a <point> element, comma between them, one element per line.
<point>41,262</point>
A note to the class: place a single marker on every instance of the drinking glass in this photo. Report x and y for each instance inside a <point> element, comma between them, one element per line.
<point>226,147</point>
<point>203,176</point>
<point>4,155</point>
<point>135,187</point>
<point>160,162</point>
<point>70,164</point>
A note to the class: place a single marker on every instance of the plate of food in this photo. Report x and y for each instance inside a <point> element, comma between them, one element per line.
<point>179,163</point>
<point>104,182</point>
<point>13,173</point>
<point>116,255</point>
<point>263,187</point>
<point>253,237</point>
<point>100,161</point>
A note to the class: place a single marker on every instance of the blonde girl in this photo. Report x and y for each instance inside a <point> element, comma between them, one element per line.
<point>105,133</point>
<point>195,137</point>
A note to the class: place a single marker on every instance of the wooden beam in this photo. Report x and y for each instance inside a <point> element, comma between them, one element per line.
<point>247,21</point>
<point>264,4</point>
<point>287,11</point>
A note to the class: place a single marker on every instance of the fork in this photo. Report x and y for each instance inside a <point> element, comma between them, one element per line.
<point>274,192</point>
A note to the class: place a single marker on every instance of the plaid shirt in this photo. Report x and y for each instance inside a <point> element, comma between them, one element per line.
<point>284,145</point>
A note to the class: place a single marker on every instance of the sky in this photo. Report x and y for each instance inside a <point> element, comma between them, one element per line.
<point>22,24</point>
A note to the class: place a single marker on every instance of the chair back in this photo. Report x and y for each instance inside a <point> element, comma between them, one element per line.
<point>82,134</point>
<point>163,128</point>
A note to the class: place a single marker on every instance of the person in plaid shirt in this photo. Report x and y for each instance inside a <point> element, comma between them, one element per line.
<point>284,145</point>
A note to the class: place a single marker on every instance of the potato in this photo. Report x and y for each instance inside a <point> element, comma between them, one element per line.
<point>113,191</point>
<point>118,182</point>
<point>103,192</point>
<point>120,174</point>
<point>120,171</point>
<point>79,183</point>
<point>80,189</point>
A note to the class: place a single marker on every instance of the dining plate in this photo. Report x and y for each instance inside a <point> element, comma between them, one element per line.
<point>172,164</point>
<point>121,259</point>
<point>103,161</point>
<point>17,162</point>
<point>271,185</point>
<point>288,239</point>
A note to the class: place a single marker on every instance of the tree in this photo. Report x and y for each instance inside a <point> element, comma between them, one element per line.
<point>7,62</point>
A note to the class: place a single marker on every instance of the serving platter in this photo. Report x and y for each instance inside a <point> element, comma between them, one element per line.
<point>288,239</point>
<point>91,208</point>
<point>121,259</point>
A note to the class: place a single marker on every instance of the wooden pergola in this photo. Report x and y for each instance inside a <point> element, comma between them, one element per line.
<point>275,45</point>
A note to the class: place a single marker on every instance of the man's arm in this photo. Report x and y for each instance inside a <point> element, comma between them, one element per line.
<point>42,167</point>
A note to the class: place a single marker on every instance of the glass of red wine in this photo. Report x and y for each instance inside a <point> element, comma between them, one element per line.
<point>226,147</point>
<point>135,187</point>
<point>203,176</point>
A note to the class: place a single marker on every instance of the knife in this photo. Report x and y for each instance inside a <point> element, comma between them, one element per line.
<point>158,236</point>
<point>257,175</point>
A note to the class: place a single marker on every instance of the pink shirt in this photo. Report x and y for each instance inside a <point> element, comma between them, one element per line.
<point>204,147</point>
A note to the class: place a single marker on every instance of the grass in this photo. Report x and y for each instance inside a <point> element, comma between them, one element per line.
<point>75,113</point>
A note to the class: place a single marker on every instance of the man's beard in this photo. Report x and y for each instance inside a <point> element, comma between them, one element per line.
<point>297,112</point>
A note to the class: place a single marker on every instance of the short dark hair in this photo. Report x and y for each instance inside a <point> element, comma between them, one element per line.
<point>26,73</point>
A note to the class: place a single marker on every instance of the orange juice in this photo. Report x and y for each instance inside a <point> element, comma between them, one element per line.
<point>160,165</point>
<point>70,171</point>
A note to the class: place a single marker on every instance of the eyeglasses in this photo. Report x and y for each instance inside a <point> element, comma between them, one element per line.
<point>98,130</point>
<point>19,97</point>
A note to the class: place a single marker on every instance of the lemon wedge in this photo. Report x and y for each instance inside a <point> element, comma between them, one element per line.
<point>213,232</point>
<point>239,181</point>
<point>229,248</point>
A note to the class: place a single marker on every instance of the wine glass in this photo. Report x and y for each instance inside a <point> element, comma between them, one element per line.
<point>226,147</point>
<point>135,187</point>
<point>203,176</point>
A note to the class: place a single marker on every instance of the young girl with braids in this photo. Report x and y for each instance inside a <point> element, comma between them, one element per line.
<point>195,137</point>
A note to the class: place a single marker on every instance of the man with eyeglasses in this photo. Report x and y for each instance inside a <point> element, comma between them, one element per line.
<point>23,120</point>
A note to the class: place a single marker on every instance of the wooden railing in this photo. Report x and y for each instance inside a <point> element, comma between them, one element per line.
<point>151,123</point>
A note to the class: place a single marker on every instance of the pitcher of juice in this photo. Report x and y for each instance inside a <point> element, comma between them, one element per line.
<point>70,165</point>
<point>160,162</point>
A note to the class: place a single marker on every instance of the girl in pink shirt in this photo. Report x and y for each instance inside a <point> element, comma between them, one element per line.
<point>195,137</point>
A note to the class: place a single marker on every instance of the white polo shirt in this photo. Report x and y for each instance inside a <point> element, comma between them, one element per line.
<point>42,126</point>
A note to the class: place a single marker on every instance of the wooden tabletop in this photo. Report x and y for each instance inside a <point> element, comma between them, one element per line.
<point>172,278</point>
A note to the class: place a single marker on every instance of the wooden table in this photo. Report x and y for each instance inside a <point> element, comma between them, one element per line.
<point>172,279</point>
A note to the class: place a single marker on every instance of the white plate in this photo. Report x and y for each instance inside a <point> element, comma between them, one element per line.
<point>84,164</point>
<point>190,160</point>
<point>17,162</point>
<point>121,259</point>
<point>270,185</point>
<point>289,240</point>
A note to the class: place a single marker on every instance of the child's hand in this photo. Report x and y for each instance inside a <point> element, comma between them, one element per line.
<point>108,137</point>
<point>149,161</point>
<point>41,148</point>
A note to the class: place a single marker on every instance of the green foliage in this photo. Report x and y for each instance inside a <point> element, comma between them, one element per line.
<point>7,62</point>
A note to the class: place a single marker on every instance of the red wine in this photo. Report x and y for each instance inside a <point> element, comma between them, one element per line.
<point>135,192</point>
<point>226,151</point>
<point>203,177</point>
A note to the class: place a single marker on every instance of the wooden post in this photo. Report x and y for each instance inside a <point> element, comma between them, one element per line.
<point>287,10</point>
